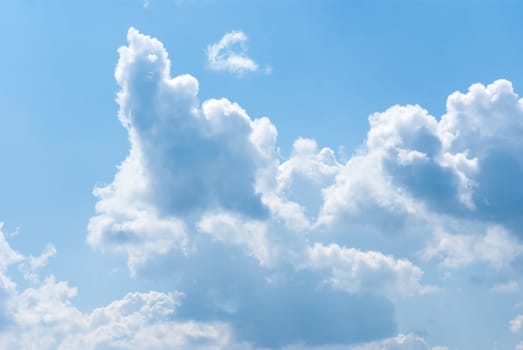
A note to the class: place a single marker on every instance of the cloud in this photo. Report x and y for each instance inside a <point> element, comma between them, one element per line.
<point>205,168</point>
<point>205,196</point>
<point>230,54</point>
<point>8,256</point>
<point>202,191</point>
<point>274,307</point>
<point>464,165</point>
<point>302,177</point>
<point>251,234</point>
<point>458,175</point>
<point>180,158</point>
<point>34,263</point>
<point>43,316</point>
<point>497,248</point>
<point>399,342</point>
<point>516,324</point>
<point>368,272</point>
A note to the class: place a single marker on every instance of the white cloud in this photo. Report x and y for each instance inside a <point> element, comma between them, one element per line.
<point>204,180</point>
<point>34,263</point>
<point>180,160</point>
<point>456,175</point>
<point>368,272</point>
<point>302,177</point>
<point>230,229</point>
<point>144,320</point>
<point>516,324</point>
<point>465,165</point>
<point>230,54</point>
<point>201,182</point>
<point>497,248</point>
<point>44,317</point>
<point>8,256</point>
<point>210,168</point>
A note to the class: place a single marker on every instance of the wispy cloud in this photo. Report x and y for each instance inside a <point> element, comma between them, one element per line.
<point>230,54</point>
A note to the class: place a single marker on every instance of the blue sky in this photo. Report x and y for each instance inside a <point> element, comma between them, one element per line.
<point>252,175</point>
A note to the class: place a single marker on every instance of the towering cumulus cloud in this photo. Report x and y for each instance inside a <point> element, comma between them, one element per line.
<point>309,250</point>
<point>202,185</point>
<point>185,158</point>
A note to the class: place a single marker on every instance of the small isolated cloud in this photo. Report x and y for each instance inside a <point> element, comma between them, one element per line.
<point>44,317</point>
<point>230,54</point>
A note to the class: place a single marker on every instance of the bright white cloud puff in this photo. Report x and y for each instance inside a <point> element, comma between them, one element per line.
<point>230,54</point>
<point>185,158</point>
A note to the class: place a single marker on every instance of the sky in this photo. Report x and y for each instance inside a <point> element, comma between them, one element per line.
<point>294,175</point>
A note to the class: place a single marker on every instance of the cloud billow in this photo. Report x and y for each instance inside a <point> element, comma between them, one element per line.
<point>203,183</point>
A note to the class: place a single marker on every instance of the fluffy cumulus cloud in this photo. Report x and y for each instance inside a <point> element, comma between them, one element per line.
<point>280,253</point>
<point>203,168</point>
<point>230,54</point>
<point>456,175</point>
<point>497,248</point>
<point>205,196</point>
<point>43,316</point>
<point>356,271</point>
